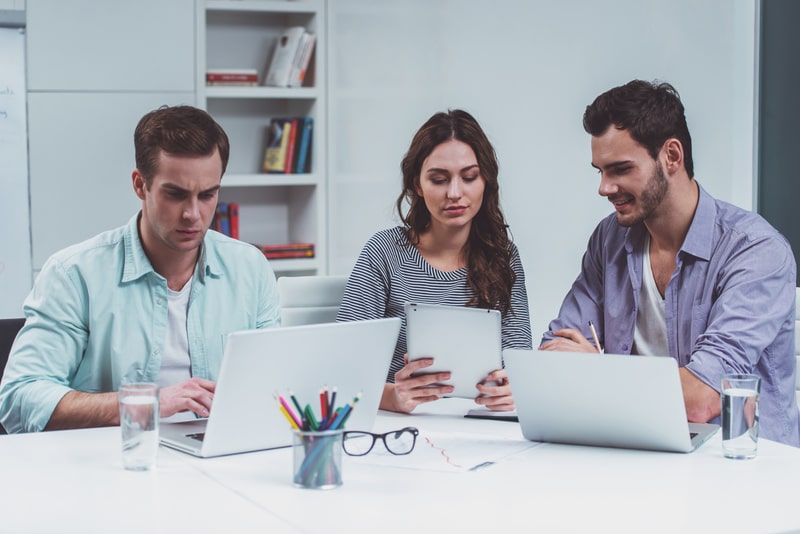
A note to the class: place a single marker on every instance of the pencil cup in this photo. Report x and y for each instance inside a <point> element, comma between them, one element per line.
<point>138,422</point>
<point>318,459</point>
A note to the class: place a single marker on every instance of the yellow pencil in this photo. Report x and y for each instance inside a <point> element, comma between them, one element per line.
<point>286,414</point>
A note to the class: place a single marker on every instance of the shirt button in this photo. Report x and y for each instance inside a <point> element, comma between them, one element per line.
<point>160,301</point>
<point>624,347</point>
<point>156,352</point>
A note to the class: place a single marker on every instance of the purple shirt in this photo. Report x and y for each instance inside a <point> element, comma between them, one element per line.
<point>730,304</point>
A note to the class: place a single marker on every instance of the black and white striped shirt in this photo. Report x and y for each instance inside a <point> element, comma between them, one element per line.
<point>389,273</point>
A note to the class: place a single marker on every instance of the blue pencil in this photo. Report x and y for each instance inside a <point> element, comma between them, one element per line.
<point>332,403</point>
<point>339,421</point>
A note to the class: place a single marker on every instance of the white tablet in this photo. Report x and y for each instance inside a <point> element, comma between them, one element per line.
<point>465,341</point>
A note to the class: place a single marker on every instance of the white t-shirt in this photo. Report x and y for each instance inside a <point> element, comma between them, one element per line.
<point>650,334</point>
<point>175,363</point>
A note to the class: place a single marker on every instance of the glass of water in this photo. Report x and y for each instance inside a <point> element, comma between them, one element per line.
<point>739,395</point>
<point>138,422</point>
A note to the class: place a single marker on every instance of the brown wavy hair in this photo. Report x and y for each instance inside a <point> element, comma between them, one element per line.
<point>488,249</point>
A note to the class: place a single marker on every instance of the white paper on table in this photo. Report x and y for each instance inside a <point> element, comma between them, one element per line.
<point>451,451</point>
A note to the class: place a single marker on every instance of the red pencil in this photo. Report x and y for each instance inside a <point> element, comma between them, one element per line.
<point>323,402</point>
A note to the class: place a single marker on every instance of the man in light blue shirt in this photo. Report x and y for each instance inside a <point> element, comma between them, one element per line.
<point>676,272</point>
<point>150,301</point>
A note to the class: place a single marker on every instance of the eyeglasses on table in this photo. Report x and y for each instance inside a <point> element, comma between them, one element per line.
<point>398,442</point>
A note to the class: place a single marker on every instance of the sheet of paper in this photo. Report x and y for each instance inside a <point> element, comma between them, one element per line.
<point>449,451</point>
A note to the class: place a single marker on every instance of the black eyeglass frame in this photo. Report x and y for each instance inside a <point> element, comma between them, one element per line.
<point>375,437</point>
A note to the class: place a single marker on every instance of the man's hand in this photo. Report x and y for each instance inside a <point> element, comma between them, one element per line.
<point>196,395</point>
<point>569,340</point>
<point>702,401</point>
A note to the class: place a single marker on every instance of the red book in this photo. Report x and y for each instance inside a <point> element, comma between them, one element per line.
<point>233,219</point>
<point>232,75</point>
<point>289,254</point>
<point>288,250</point>
<point>287,168</point>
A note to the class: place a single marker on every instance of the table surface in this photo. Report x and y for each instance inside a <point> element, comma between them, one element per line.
<point>465,475</point>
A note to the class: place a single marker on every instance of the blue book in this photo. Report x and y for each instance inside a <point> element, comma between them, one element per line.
<point>222,219</point>
<point>303,164</point>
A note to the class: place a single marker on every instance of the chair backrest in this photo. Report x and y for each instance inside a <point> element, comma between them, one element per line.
<point>310,299</point>
<point>8,332</point>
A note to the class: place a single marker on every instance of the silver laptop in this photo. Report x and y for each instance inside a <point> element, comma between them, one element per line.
<point>607,400</point>
<point>353,357</point>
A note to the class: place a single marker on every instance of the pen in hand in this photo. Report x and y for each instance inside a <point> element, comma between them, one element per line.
<point>594,336</point>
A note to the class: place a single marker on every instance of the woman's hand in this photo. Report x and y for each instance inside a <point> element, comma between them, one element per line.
<point>495,392</point>
<point>408,392</point>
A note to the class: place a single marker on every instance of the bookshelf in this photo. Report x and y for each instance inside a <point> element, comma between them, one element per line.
<point>273,208</point>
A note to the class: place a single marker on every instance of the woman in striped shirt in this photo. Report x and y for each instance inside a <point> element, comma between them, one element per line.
<point>453,249</point>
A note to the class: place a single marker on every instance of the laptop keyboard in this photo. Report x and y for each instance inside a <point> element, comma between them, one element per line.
<point>199,436</point>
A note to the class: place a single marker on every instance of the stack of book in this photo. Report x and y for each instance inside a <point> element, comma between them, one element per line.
<point>289,146</point>
<point>291,58</point>
<point>226,219</point>
<point>232,77</point>
<point>288,250</point>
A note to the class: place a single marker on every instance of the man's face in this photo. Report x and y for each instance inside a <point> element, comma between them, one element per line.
<point>179,204</point>
<point>629,177</point>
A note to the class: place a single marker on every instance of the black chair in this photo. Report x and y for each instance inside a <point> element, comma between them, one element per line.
<point>8,332</point>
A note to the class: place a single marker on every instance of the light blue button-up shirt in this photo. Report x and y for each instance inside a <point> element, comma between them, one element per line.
<point>98,312</point>
<point>730,304</point>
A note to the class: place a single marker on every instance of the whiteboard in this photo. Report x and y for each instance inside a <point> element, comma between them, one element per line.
<point>15,241</point>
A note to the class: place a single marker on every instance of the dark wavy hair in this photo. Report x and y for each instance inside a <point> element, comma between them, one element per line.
<point>651,111</point>
<point>488,249</point>
<point>180,131</point>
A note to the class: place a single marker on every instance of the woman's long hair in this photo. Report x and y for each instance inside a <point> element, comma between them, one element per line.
<point>488,248</point>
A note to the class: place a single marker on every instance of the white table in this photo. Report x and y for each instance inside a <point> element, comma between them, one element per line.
<point>73,481</point>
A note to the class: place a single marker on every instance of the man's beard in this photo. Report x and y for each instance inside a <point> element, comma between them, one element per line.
<point>654,192</point>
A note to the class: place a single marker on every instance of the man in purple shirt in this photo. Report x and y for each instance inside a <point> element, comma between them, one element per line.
<point>676,272</point>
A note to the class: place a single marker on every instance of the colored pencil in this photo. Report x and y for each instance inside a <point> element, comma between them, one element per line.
<point>323,402</point>
<point>594,335</point>
<point>288,417</point>
<point>297,419</point>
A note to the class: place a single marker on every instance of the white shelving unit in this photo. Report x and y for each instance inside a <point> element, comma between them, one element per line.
<point>273,208</point>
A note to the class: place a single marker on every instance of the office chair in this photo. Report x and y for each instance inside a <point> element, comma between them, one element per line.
<point>310,299</point>
<point>8,332</point>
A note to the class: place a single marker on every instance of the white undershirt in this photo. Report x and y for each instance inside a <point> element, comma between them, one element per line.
<point>175,363</point>
<point>650,334</point>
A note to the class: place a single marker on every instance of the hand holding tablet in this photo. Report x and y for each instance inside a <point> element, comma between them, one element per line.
<point>464,341</point>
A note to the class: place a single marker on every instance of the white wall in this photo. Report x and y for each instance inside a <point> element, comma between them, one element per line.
<point>527,69</point>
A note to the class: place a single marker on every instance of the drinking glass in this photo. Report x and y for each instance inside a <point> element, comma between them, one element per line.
<point>739,396</point>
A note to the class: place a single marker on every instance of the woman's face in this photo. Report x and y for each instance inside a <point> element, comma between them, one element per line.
<point>451,185</point>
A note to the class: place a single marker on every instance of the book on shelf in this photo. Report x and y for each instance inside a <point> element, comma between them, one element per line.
<point>280,130</point>
<point>302,59</point>
<point>288,166</point>
<point>221,221</point>
<point>280,66</point>
<point>288,250</point>
<point>289,141</point>
<point>233,218</point>
<point>302,163</point>
<point>232,77</point>
<point>226,219</point>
